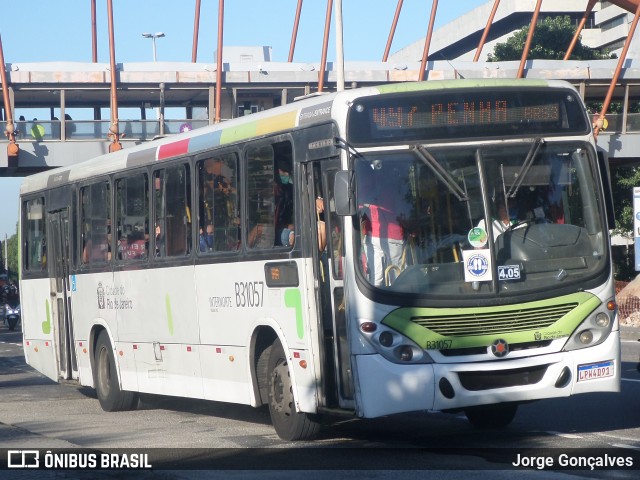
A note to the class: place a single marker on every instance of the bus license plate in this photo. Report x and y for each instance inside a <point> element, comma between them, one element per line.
<point>593,371</point>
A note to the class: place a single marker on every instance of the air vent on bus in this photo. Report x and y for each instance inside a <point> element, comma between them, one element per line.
<point>460,325</point>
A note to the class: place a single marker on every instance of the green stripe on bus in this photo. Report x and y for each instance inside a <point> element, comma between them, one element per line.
<point>275,123</point>
<point>167,304</point>
<point>292,299</point>
<point>239,132</point>
<point>463,83</point>
<point>46,325</point>
<point>402,321</point>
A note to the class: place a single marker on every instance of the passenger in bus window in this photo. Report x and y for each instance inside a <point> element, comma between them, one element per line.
<point>283,199</point>
<point>322,229</point>
<point>133,246</point>
<point>380,221</point>
<point>288,236</point>
<point>206,239</point>
<point>95,251</point>
<point>254,236</point>
<point>500,221</point>
<point>159,241</point>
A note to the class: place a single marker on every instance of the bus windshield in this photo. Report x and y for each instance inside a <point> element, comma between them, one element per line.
<point>480,220</point>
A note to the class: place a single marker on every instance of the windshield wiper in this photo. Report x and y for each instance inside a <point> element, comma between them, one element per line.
<point>425,156</point>
<point>520,176</point>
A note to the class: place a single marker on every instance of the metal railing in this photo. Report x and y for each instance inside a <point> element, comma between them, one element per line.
<point>79,130</point>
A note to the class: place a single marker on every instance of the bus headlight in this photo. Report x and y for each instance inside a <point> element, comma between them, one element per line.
<point>405,353</point>
<point>602,320</point>
<point>386,339</point>
<point>586,337</point>
<point>392,345</point>
<point>593,330</point>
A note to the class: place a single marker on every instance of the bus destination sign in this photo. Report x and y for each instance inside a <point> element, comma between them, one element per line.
<point>459,114</point>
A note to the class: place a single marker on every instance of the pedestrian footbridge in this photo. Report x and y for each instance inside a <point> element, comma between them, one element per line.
<point>62,110</point>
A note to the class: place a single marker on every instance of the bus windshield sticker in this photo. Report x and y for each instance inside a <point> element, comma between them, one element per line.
<point>478,237</point>
<point>477,265</point>
<point>508,272</point>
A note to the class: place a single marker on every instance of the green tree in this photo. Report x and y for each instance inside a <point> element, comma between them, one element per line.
<point>623,179</point>
<point>12,257</point>
<point>550,41</point>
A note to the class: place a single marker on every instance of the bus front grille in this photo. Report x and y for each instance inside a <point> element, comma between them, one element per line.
<point>461,325</point>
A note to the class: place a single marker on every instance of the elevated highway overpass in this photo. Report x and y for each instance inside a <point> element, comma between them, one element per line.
<point>62,109</point>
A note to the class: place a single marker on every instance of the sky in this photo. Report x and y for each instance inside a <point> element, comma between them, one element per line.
<point>60,30</point>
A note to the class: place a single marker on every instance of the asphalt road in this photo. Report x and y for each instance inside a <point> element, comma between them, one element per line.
<point>200,439</point>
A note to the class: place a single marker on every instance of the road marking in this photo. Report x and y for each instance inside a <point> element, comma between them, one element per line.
<point>564,435</point>
<point>622,445</point>
<point>617,437</point>
<point>630,380</point>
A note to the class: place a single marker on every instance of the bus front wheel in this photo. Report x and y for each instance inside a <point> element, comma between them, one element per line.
<point>289,424</point>
<point>491,416</point>
<point>110,396</point>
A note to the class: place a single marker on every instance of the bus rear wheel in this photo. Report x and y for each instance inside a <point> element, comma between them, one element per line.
<point>492,416</point>
<point>288,424</point>
<point>110,396</point>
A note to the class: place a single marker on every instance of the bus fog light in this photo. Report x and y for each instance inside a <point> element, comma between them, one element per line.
<point>586,337</point>
<point>386,339</point>
<point>602,320</point>
<point>405,353</point>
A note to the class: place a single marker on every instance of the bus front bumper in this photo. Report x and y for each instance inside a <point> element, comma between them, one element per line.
<point>387,388</point>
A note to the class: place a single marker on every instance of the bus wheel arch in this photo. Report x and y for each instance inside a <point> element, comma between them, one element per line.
<point>105,377</point>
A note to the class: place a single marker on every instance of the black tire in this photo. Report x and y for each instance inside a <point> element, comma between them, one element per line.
<point>111,398</point>
<point>492,416</point>
<point>12,323</point>
<point>288,424</point>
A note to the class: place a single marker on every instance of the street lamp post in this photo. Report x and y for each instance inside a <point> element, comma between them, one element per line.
<point>153,37</point>
<point>160,110</point>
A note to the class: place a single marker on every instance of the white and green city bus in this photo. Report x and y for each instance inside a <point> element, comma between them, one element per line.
<point>415,304</point>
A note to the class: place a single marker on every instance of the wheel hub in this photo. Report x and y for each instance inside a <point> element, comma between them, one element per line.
<point>281,394</point>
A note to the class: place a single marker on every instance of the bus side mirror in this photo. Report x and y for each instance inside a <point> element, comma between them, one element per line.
<point>344,194</point>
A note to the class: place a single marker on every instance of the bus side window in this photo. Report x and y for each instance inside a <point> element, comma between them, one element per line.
<point>218,204</point>
<point>132,217</point>
<point>35,244</point>
<point>270,196</point>
<point>95,220</point>
<point>172,187</point>
<point>260,212</point>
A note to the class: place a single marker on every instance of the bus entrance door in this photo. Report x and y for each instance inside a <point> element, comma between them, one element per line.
<point>58,253</point>
<point>337,384</point>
